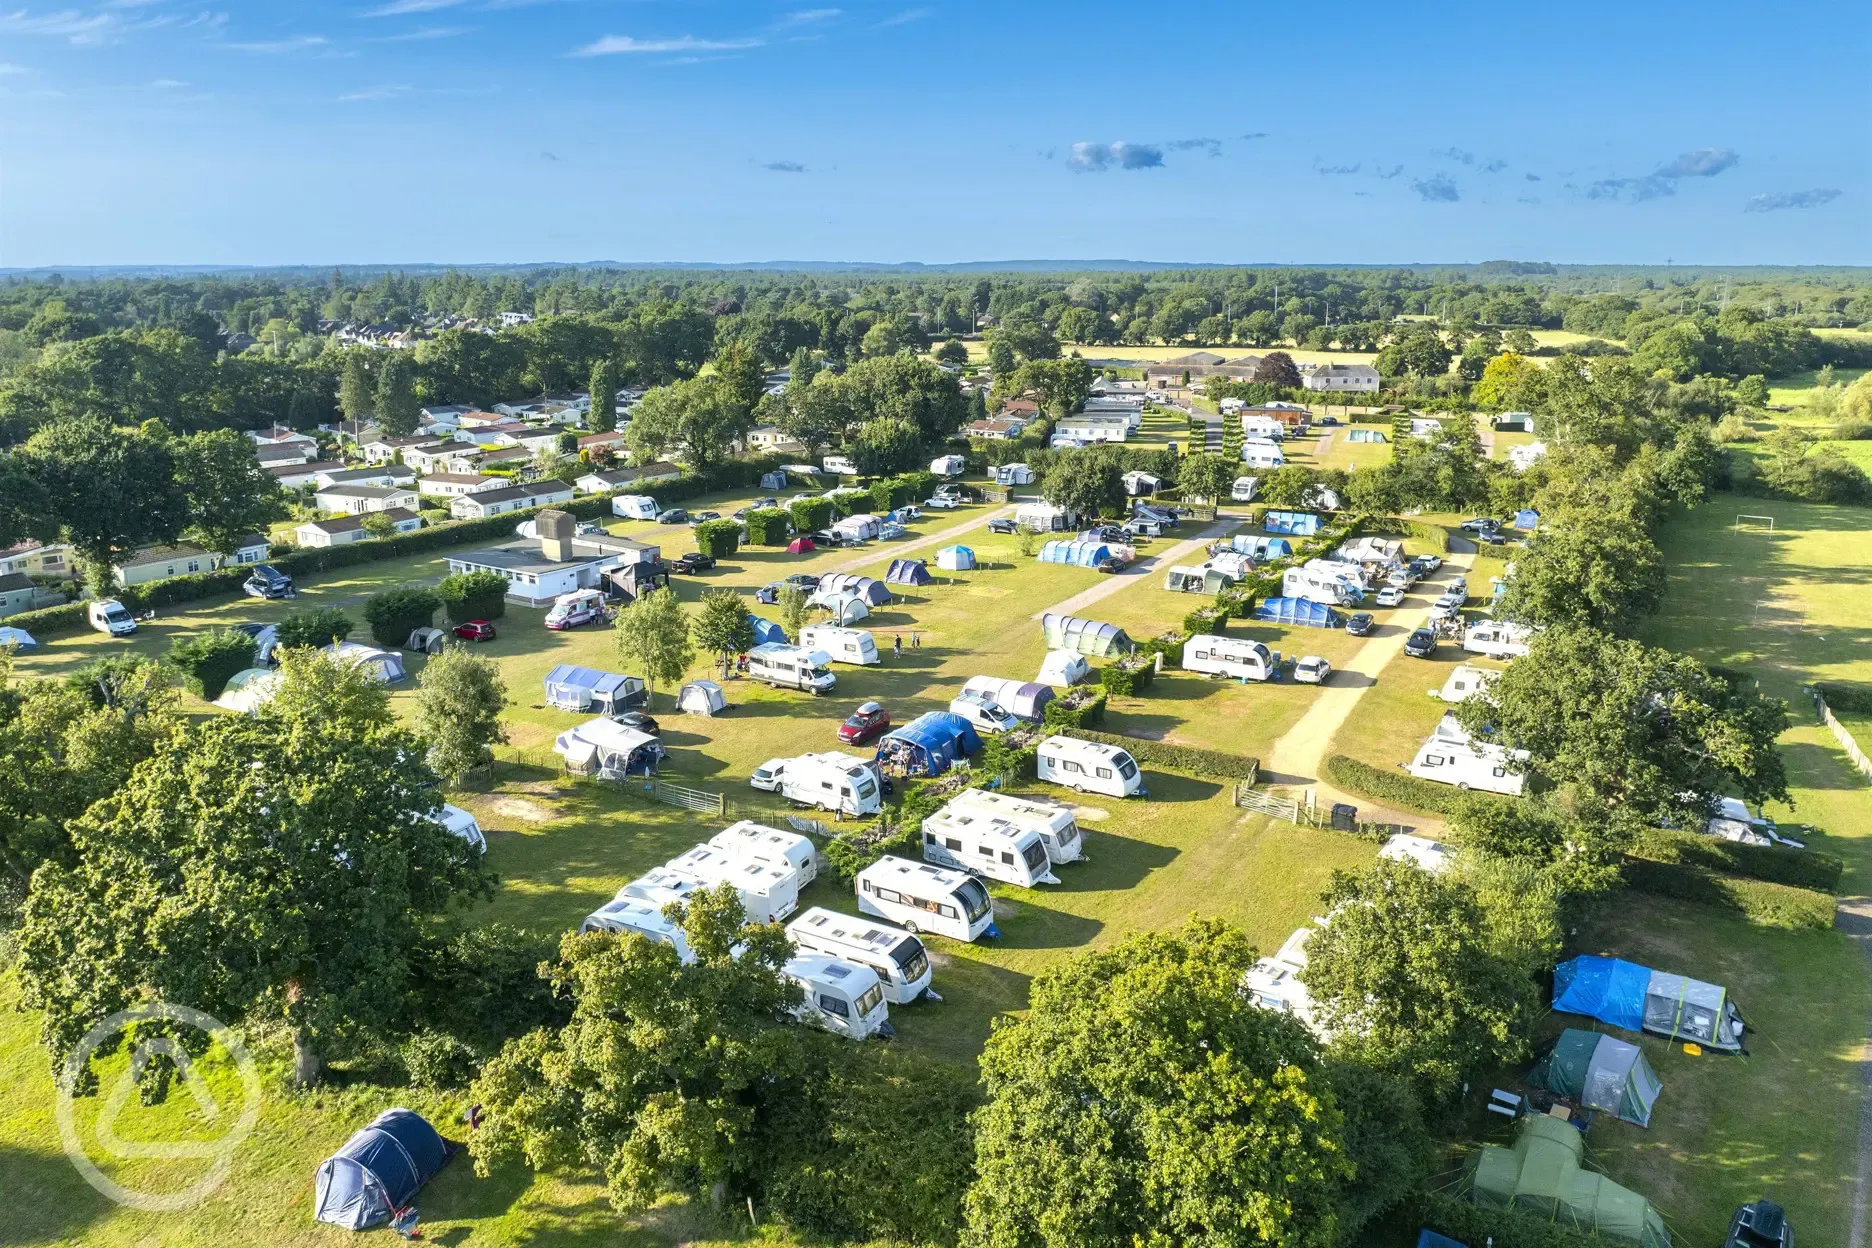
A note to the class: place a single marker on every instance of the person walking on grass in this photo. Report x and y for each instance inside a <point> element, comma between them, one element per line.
<point>897,644</point>
<point>916,642</point>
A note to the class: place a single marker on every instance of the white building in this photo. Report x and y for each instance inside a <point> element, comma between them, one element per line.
<point>559,561</point>
<point>358,500</point>
<point>474,505</point>
<point>1342,378</point>
<point>347,529</point>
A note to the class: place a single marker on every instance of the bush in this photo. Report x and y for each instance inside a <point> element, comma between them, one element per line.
<point>1758,901</point>
<point>1079,707</point>
<point>810,514</point>
<point>718,539</point>
<point>1852,430</point>
<point>1505,1228</point>
<point>393,614</point>
<point>1397,788</point>
<point>51,621</point>
<point>208,660</point>
<point>1182,757</point>
<point>1775,864</point>
<point>850,502</point>
<point>1117,682</point>
<point>1205,620</point>
<point>889,495</point>
<point>918,486</point>
<point>437,1060</point>
<point>319,626</point>
<point>1838,697</point>
<point>482,986</point>
<point>473,596</point>
<point>770,526</point>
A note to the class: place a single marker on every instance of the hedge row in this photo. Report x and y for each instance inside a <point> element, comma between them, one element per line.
<point>1397,788</point>
<point>49,621</point>
<point>1091,711</point>
<point>1846,697</point>
<point>1775,864</point>
<point>770,526</point>
<point>1504,1228</point>
<point>1181,757</point>
<point>1771,905</point>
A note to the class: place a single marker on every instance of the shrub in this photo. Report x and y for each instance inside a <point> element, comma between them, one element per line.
<point>393,614</point>
<point>51,621</point>
<point>850,502</point>
<point>889,495</point>
<point>768,527</point>
<point>810,514</point>
<point>473,596</point>
<point>1398,788</point>
<point>1853,430</point>
<point>1182,757</point>
<point>1079,707</point>
<point>319,626</point>
<point>1204,620</point>
<point>1838,697</point>
<point>437,1060</point>
<point>1117,682</point>
<point>1771,905</point>
<point>1504,1228</point>
<point>482,986</point>
<point>208,660</point>
<point>918,486</point>
<point>718,539</point>
<point>1776,864</point>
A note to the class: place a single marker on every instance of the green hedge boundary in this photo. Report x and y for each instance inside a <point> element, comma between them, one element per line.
<point>1469,1223</point>
<point>1773,864</point>
<point>1058,715</point>
<point>1397,788</point>
<point>1181,757</point>
<point>1856,698</point>
<point>1758,901</point>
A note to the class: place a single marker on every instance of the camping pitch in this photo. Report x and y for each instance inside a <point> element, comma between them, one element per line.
<point>1600,1072</point>
<point>378,1171</point>
<point>955,559</point>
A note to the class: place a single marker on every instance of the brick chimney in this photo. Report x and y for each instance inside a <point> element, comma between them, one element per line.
<point>556,531</point>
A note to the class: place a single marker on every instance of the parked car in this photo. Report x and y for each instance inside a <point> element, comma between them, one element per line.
<point>826,537</point>
<point>475,630</point>
<point>1421,644</point>
<point>739,513</point>
<point>805,580</point>
<point>701,516</point>
<point>869,722</point>
<point>1111,564</point>
<point>961,493</point>
<point>1326,421</point>
<point>1452,599</point>
<point>1495,537</point>
<point>909,511</point>
<point>1107,533</point>
<point>674,515</point>
<point>1001,524</point>
<point>1359,624</point>
<point>1480,524</point>
<point>1390,596</point>
<point>1427,564</point>
<point>1312,670</point>
<point>941,502</point>
<point>267,581</point>
<point>587,528</point>
<point>637,720</point>
<point>766,777</point>
<point>761,504</point>
<point>694,561</point>
<point>1760,1224</point>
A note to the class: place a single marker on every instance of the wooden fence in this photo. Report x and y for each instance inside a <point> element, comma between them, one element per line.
<point>1840,734</point>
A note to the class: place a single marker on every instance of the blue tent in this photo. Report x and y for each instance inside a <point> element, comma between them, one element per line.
<point>1527,519</point>
<point>1608,989</point>
<point>570,687</point>
<point>1297,611</point>
<point>766,631</point>
<point>955,558</point>
<point>868,588</point>
<point>908,572</point>
<point>1259,548</point>
<point>378,1171</point>
<point>1427,1238</point>
<point>929,744</point>
<point>1078,554</point>
<point>1298,523</point>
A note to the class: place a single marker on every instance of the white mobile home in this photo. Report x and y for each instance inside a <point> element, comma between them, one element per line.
<point>842,645</point>
<point>791,667</point>
<point>627,915</point>
<point>842,997</point>
<point>832,781</point>
<point>1498,639</point>
<point>924,898</point>
<point>769,891</point>
<point>980,843</point>
<point>1450,756</point>
<point>1088,767</point>
<point>1052,821</point>
<point>899,960</point>
<point>1465,681</point>
<point>1236,657</point>
<point>759,843</point>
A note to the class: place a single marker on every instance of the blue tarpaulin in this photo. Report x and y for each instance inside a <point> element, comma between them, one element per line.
<point>1608,989</point>
<point>1298,523</point>
<point>378,1171</point>
<point>1427,1238</point>
<point>1079,554</point>
<point>1297,611</point>
<point>929,744</point>
<point>766,631</point>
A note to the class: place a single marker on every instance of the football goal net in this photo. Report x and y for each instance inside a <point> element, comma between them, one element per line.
<point>1754,523</point>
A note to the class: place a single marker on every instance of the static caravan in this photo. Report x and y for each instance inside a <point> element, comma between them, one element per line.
<point>844,645</point>
<point>842,997</point>
<point>759,843</point>
<point>1023,699</point>
<point>1088,767</point>
<point>1263,428</point>
<point>1262,455</point>
<point>840,465</point>
<point>769,891</point>
<point>1498,639</point>
<point>1236,657</point>
<point>984,844</point>
<point>1468,764</point>
<point>925,898</point>
<point>832,781</point>
<point>1464,682</point>
<point>949,465</point>
<point>1052,821</point>
<point>898,959</point>
<point>634,506</point>
<point>629,916</point>
<point>792,667</point>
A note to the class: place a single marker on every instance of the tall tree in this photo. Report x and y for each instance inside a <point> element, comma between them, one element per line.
<point>652,634</point>
<point>1595,570</point>
<point>606,381</point>
<point>1088,482</point>
<point>229,494</point>
<point>355,398</point>
<point>1277,368</point>
<point>399,411</point>
<point>885,446</point>
<point>723,627</point>
<point>110,490</point>
<point>458,708</point>
<point>1207,476</point>
<point>698,419</point>
<point>818,413</point>
<point>741,370</point>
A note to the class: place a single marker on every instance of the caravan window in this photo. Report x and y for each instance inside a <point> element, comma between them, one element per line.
<point>1104,773</point>
<point>911,960</point>
<point>1500,772</point>
<point>1126,768</point>
<point>1005,856</point>
<point>871,999</point>
<point>865,790</point>
<point>989,853</point>
<point>884,894</point>
<point>1434,760</point>
<point>975,897</point>
<point>1036,854</point>
<point>832,1005</point>
<point>1075,768</point>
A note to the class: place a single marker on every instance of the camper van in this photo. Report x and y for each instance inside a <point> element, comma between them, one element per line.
<point>1054,822</point>
<point>982,712</point>
<point>107,615</point>
<point>832,781</point>
<point>1452,756</point>
<point>1245,489</point>
<point>791,667</point>
<point>982,844</point>
<point>1262,455</point>
<point>626,915</point>
<point>1235,657</point>
<point>844,645</point>
<point>949,465</point>
<point>583,606</point>
<point>635,507</point>
<point>840,465</point>
<point>1498,639</point>
<point>924,898</point>
<point>842,997</point>
<point>759,843</point>
<point>898,959</point>
<point>769,891</point>
<point>1088,767</point>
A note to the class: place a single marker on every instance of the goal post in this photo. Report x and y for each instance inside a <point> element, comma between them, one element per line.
<point>1754,522</point>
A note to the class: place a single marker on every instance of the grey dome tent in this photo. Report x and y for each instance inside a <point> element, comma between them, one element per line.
<point>378,1171</point>
<point>869,588</point>
<point>908,572</point>
<point>1069,632</point>
<point>1600,1072</point>
<point>701,697</point>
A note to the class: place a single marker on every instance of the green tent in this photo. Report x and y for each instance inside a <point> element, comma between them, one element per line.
<point>1541,1175</point>
<point>1600,1072</point>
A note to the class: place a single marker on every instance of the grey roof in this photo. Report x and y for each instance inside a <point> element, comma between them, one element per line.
<point>344,524</point>
<point>521,557</point>
<point>513,492</point>
<point>355,476</point>
<point>366,491</point>
<point>296,470</point>
<point>15,580</point>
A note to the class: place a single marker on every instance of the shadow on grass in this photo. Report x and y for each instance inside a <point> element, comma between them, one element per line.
<point>43,1199</point>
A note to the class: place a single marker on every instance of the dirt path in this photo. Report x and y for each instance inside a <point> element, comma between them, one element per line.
<point>1121,580</point>
<point>897,550</point>
<point>1323,445</point>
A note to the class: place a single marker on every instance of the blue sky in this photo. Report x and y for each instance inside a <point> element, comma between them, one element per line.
<point>151,131</point>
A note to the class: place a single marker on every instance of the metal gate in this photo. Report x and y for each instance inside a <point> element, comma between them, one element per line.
<point>1250,798</point>
<point>687,798</point>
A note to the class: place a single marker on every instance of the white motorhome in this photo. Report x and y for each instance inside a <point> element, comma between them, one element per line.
<point>1316,586</point>
<point>1465,681</point>
<point>635,507</point>
<point>759,843</point>
<point>1088,767</point>
<point>629,915</point>
<point>982,712</point>
<point>840,465</point>
<point>1262,455</point>
<point>769,891</point>
<point>1245,489</point>
<point>1451,756</point>
<point>843,645</point>
<point>924,898</point>
<point>107,615</point>
<point>1052,821</point>
<point>1498,639</point>
<point>1235,657</point>
<point>899,960</point>
<point>1263,428</point>
<point>949,465</point>
<point>832,781</point>
<point>980,843</point>
<point>791,667</point>
<point>842,997</point>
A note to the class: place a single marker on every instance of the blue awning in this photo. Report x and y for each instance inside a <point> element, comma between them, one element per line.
<point>1611,990</point>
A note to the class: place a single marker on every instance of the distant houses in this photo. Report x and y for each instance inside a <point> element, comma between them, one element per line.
<point>511,498</point>
<point>159,563</point>
<point>342,531</point>
<point>1341,378</point>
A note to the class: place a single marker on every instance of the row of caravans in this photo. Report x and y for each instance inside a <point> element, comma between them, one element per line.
<point>1011,839</point>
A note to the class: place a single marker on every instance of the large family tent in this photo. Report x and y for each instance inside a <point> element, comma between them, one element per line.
<point>606,748</point>
<point>845,608</point>
<point>1600,1072</point>
<point>701,697</point>
<point>248,689</point>
<point>1527,519</point>
<point>1638,998</point>
<point>907,572</point>
<point>1069,632</point>
<point>1203,580</point>
<point>1296,523</point>
<point>1078,554</point>
<point>385,666</point>
<point>426,641</point>
<point>1300,611</point>
<point>775,480</point>
<point>378,1171</point>
<point>573,688</point>
<point>859,528</point>
<point>929,744</point>
<point>1542,1176</point>
<point>955,559</point>
<point>1023,699</point>
<point>869,588</point>
<point>767,632</point>
<point>1044,517</point>
<point>1365,435</point>
<point>1258,548</point>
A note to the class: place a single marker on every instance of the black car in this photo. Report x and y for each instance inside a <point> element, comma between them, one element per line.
<point>675,515</point>
<point>1111,565</point>
<point>701,516</point>
<point>637,720</point>
<point>1760,1224</point>
<point>1420,644</point>
<point>694,561</point>
<point>1326,421</point>
<point>1001,524</point>
<point>1358,624</point>
<point>267,581</point>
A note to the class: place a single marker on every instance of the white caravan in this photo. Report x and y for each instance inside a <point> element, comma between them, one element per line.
<point>840,465</point>
<point>980,843</point>
<point>759,843</point>
<point>462,823</point>
<point>1450,756</point>
<point>660,887</point>
<point>842,997</point>
<point>1498,639</point>
<point>832,781</point>
<point>1262,455</point>
<point>1263,428</point>
<point>791,667</point>
<point>1245,489</point>
<point>1088,767</point>
<point>898,959</point>
<point>769,891</point>
<point>1052,821</point>
<point>1274,983</point>
<point>635,507</point>
<point>1465,681</point>
<point>924,898</point>
<point>982,712</point>
<point>843,645</point>
<point>1433,856</point>
<point>627,915</point>
<point>1236,657</point>
<point>107,615</point>
<point>949,465</point>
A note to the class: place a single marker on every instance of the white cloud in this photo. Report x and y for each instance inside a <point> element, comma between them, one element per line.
<point>7,68</point>
<point>424,33</point>
<point>168,84</point>
<point>79,28</point>
<point>298,43</point>
<point>397,8</point>
<point>908,15</point>
<point>367,95</point>
<point>807,17</point>
<point>620,45</point>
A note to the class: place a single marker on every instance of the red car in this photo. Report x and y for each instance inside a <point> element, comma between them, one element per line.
<point>475,630</point>
<point>867,723</point>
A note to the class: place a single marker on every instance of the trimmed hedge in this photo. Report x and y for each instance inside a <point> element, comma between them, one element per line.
<point>810,514</point>
<point>718,539</point>
<point>209,660</point>
<point>315,626</point>
<point>473,596</point>
<point>1839,697</point>
<point>1770,905</point>
<point>919,485</point>
<point>770,526</point>
<point>50,621</point>
<point>850,502</point>
<point>1090,711</point>
<point>1398,788</point>
<point>1128,676</point>
<point>1208,620</point>
<point>1505,1228</point>
<point>889,495</point>
<point>393,614</point>
<point>1182,757</point>
<point>1775,864</point>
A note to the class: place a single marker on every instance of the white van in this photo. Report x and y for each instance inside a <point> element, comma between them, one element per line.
<point>1245,489</point>
<point>791,667</point>
<point>635,507</point>
<point>1052,821</point>
<point>1498,639</point>
<point>1088,767</point>
<point>1236,657</point>
<point>769,892</point>
<point>982,712</point>
<point>581,606</point>
<point>832,781</point>
<point>840,465</point>
<point>980,843</point>
<point>107,615</point>
<point>899,960</point>
<point>759,843</point>
<point>949,465</point>
<point>1262,455</point>
<point>842,645</point>
<point>842,997</point>
<point>626,915</point>
<point>924,898</point>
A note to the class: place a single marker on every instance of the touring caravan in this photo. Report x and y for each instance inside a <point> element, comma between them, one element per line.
<point>1262,428</point>
<point>1088,767</point>
<point>983,844</point>
<point>925,898</point>
<point>842,997</point>
<point>1451,756</point>
<point>1052,821</point>
<point>635,507</point>
<point>662,887</point>
<point>1274,983</point>
<point>1318,586</point>
<point>832,781</point>
<point>949,465</point>
<point>1498,639</point>
<point>791,667</point>
<point>1245,489</point>
<point>1433,856</point>
<point>1044,518</point>
<point>898,959</point>
<point>1236,657</point>
<point>769,891</point>
<point>1465,681</point>
<point>843,645</point>
<point>840,465</point>
<point>628,915</point>
<point>1013,474</point>
<point>462,823</point>
<point>759,843</point>
<point>1023,699</point>
<point>1262,455</point>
